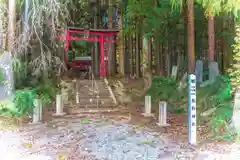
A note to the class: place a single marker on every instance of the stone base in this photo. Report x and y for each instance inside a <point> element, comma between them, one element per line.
<point>163,125</point>
<point>147,114</point>
<point>59,114</point>
<point>35,123</point>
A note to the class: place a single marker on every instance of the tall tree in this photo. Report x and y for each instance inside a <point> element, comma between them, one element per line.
<point>213,7</point>
<point>191,37</point>
<point>111,52</point>
<point>11,24</point>
<point>121,42</point>
<point>176,4</point>
<point>3,22</point>
<point>211,38</point>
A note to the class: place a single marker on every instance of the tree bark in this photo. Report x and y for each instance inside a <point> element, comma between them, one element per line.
<point>11,24</point>
<point>121,43</point>
<point>96,53</point>
<point>3,22</point>
<point>211,39</point>
<point>138,57</point>
<point>191,37</point>
<point>157,55</point>
<point>111,53</point>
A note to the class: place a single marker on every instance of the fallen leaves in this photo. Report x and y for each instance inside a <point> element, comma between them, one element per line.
<point>61,158</point>
<point>29,145</point>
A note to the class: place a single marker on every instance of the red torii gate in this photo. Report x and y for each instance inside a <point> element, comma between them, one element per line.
<point>102,33</point>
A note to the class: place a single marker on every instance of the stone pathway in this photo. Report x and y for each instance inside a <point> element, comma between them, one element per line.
<point>92,137</point>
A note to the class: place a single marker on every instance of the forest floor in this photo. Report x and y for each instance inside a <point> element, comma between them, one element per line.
<point>122,135</point>
<point>109,136</point>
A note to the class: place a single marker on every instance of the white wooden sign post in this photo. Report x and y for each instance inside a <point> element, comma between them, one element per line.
<point>192,119</point>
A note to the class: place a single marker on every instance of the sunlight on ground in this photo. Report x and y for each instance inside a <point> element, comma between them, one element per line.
<point>101,137</point>
<point>7,124</point>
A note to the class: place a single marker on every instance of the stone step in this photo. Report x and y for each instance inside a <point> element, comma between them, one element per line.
<point>102,101</point>
<point>94,103</point>
<point>89,98</point>
<point>94,97</point>
<point>105,95</point>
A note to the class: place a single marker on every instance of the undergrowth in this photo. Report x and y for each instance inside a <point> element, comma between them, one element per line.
<point>22,104</point>
<point>214,102</point>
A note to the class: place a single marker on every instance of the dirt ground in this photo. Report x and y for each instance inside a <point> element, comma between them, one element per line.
<point>123,134</point>
<point>69,138</point>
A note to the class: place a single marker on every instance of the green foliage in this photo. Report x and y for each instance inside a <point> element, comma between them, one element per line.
<point>2,77</point>
<point>234,71</point>
<point>22,104</point>
<point>146,11</point>
<point>223,102</point>
<point>163,88</point>
<point>47,91</point>
<point>20,72</point>
<point>214,102</point>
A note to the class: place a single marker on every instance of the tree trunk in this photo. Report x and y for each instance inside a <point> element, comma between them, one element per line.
<point>111,53</point>
<point>191,37</point>
<point>3,22</point>
<point>121,44</point>
<point>157,55</point>
<point>96,53</point>
<point>211,39</point>
<point>150,53</point>
<point>224,45</point>
<point>127,57</point>
<point>145,52</point>
<point>11,24</point>
<point>138,57</point>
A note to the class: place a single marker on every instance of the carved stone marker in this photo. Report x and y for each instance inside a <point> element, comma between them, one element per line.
<point>199,71</point>
<point>162,117</point>
<point>174,72</point>
<point>6,74</point>
<point>148,107</point>
<point>37,111</point>
<point>59,106</point>
<point>213,71</point>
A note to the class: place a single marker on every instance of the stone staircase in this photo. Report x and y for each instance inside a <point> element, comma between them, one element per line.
<point>94,93</point>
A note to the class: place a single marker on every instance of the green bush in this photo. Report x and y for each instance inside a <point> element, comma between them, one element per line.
<point>2,76</point>
<point>214,102</point>
<point>22,104</point>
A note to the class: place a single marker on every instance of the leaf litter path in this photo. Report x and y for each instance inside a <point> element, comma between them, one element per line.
<point>91,137</point>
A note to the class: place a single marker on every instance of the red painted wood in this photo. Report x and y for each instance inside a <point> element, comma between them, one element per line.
<point>77,64</point>
<point>102,63</point>
<point>101,40</point>
<point>94,33</point>
<point>67,46</point>
<point>82,39</point>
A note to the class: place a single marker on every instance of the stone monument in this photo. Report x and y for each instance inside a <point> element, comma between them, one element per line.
<point>199,71</point>
<point>7,80</point>
<point>213,71</point>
